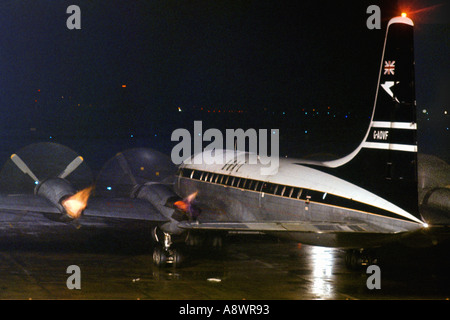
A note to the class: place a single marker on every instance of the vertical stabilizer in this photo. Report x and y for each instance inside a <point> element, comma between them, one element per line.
<point>385,162</point>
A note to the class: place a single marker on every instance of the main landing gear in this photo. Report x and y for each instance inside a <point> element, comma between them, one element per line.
<point>356,259</point>
<point>167,253</point>
<point>164,253</point>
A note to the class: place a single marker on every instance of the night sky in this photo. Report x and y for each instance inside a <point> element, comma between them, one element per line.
<point>262,64</point>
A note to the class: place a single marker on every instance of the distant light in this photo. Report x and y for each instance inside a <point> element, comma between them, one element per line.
<point>124,86</point>
<point>445,112</point>
<point>306,131</point>
<point>108,188</point>
<point>404,14</point>
<point>179,109</point>
<point>50,137</point>
<point>425,225</point>
<point>132,136</point>
<point>36,182</point>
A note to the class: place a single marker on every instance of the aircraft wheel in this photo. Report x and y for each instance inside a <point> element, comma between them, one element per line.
<point>177,258</point>
<point>353,259</point>
<point>357,259</point>
<point>194,239</point>
<point>217,242</point>
<point>159,257</point>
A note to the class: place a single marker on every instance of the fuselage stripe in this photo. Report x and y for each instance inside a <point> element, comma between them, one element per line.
<point>390,146</point>
<point>285,191</point>
<point>394,125</point>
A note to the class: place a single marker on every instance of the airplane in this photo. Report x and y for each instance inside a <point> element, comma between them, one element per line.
<point>362,201</point>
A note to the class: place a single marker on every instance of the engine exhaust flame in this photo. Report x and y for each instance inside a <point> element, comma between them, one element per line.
<point>74,205</point>
<point>186,205</point>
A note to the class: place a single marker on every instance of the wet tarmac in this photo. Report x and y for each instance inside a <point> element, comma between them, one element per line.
<point>248,267</point>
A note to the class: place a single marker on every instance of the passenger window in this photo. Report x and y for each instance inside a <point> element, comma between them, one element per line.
<point>296,192</point>
<point>289,191</point>
<point>197,175</point>
<point>268,188</point>
<point>275,189</point>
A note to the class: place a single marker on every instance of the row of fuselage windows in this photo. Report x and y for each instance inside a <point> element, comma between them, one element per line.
<point>279,190</point>
<point>247,184</point>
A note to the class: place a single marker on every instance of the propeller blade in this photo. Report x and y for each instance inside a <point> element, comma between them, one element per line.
<point>71,167</point>
<point>125,167</point>
<point>23,167</point>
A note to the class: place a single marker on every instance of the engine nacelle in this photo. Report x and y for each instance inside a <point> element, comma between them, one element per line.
<point>162,198</point>
<point>55,190</point>
<point>439,199</point>
<point>435,206</point>
<point>64,197</point>
<point>145,174</point>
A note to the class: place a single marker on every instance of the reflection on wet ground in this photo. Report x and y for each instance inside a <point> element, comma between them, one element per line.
<point>246,268</point>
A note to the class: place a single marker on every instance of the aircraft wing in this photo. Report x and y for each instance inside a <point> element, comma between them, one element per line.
<point>122,208</point>
<point>51,179</point>
<point>26,202</point>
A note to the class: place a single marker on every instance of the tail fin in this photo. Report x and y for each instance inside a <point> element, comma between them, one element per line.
<point>385,163</point>
<point>393,125</point>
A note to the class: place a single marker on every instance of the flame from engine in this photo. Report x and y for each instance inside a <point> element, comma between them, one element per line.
<point>75,204</point>
<point>185,205</point>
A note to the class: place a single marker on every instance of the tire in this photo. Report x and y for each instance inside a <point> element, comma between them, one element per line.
<point>159,257</point>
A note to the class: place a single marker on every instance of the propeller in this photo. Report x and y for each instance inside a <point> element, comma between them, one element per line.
<point>126,171</point>
<point>67,171</point>
<point>42,161</point>
<point>23,167</point>
<point>71,167</point>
